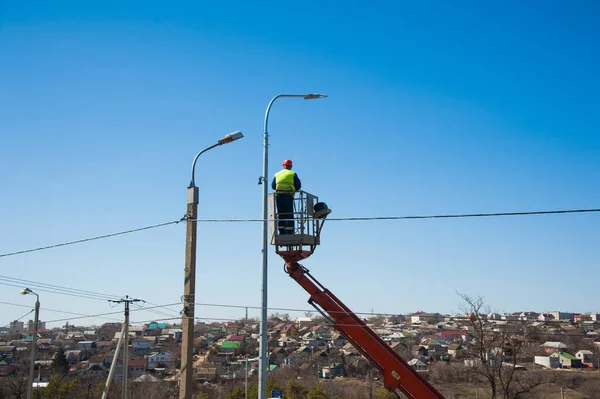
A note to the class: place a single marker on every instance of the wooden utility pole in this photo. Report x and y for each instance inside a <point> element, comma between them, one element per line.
<point>125,335</point>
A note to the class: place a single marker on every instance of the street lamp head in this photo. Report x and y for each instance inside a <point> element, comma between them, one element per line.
<point>231,137</point>
<point>26,291</point>
<point>314,96</point>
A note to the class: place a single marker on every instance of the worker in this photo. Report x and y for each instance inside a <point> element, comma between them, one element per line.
<point>285,183</point>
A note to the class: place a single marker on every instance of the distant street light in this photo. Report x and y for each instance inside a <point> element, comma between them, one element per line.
<point>262,364</point>
<point>189,287</point>
<point>27,291</point>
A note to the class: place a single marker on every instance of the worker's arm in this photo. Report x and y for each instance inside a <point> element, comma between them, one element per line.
<point>297,182</point>
<point>273,185</point>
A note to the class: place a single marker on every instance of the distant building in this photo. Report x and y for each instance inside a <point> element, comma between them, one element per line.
<point>16,326</point>
<point>567,360</point>
<point>31,327</point>
<point>560,316</point>
<point>430,318</point>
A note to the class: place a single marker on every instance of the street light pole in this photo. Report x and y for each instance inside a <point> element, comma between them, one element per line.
<point>189,285</point>
<point>26,291</point>
<point>262,363</point>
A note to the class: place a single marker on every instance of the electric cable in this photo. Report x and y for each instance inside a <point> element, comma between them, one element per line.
<point>154,226</point>
<point>19,319</point>
<point>57,292</point>
<point>57,287</point>
<point>465,215</point>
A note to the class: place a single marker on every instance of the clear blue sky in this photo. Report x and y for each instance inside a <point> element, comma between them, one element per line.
<point>433,109</point>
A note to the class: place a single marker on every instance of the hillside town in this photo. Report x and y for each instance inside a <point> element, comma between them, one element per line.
<point>308,349</point>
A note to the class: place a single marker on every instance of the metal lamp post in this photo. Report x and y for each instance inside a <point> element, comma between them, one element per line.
<point>262,365</point>
<point>27,291</point>
<point>187,345</point>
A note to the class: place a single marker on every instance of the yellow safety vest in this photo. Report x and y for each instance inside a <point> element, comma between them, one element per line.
<point>284,182</point>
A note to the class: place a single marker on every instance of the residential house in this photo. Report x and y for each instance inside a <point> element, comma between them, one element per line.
<point>100,345</point>
<point>349,349</point>
<point>303,322</point>
<point>455,350</point>
<point>8,349</point>
<point>395,319</point>
<point>96,370</point>
<point>417,364</point>
<point>511,316</point>
<point>288,342</point>
<point>233,327</point>
<point>567,360</point>
<point>74,336</point>
<point>553,346</point>
<point>494,316</point>
<point>333,370</point>
<point>453,335</point>
<point>237,338</point>
<point>563,316</point>
<point>273,341</point>
<point>295,359</point>
<point>173,333</point>
<point>551,362</point>
<point>338,340</point>
<point>207,374</point>
<point>319,331</point>
<point>138,331</point>
<point>396,336</point>
<point>595,316</point>
<point>230,346</point>
<point>419,351</point>
<point>118,334</point>
<point>586,357</point>
<point>438,346</point>
<point>90,335</point>
<point>142,344</point>
<point>156,326</point>
<point>75,356</point>
<point>398,347</point>
<point>289,330</point>
<point>85,345</point>
<point>545,317</point>
<point>304,349</point>
<point>136,367</point>
<point>309,339</point>
<point>162,359</point>
<point>422,317</point>
<point>383,333</point>
<point>221,358</point>
<point>44,343</point>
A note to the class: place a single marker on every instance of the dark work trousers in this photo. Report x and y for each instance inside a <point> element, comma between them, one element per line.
<point>285,210</point>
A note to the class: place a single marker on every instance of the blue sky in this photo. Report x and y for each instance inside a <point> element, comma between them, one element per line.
<point>432,109</point>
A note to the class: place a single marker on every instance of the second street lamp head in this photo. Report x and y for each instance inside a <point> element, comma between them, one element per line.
<point>26,291</point>
<point>231,137</point>
<point>314,96</point>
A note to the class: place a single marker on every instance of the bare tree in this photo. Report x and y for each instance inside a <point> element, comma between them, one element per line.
<point>15,385</point>
<point>495,352</point>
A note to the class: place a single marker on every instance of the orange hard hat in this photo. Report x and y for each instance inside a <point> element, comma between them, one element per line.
<point>288,163</point>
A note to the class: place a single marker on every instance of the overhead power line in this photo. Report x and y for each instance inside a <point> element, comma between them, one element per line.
<point>42,289</point>
<point>154,226</point>
<point>449,216</point>
<point>57,288</point>
<point>366,218</point>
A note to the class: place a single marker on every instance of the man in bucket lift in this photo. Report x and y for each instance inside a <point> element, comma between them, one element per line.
<point>286,183</point>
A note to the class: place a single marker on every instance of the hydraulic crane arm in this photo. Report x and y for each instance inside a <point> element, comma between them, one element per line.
<point>398,376</point>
